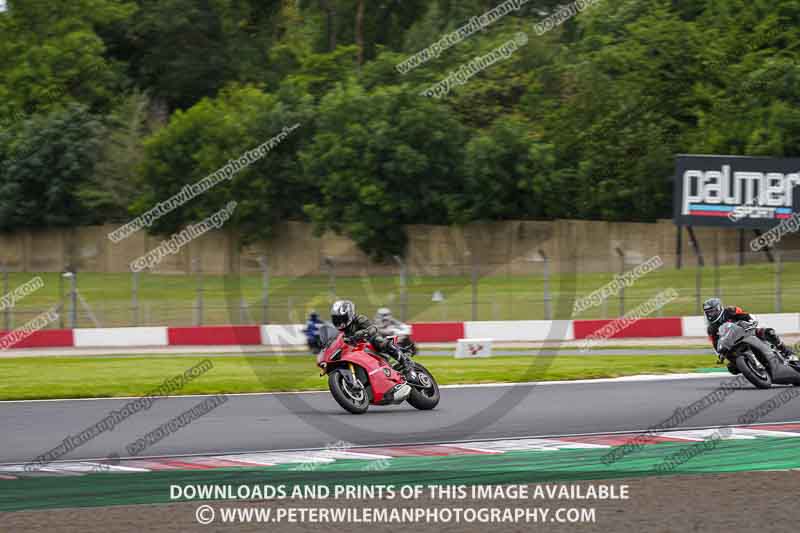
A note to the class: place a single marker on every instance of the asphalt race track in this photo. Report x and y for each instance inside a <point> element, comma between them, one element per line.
<point>260,422</point>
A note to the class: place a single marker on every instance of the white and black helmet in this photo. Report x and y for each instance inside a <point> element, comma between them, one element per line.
<point>712,309</point>
<point>343,312</point>
<point>384,313</point>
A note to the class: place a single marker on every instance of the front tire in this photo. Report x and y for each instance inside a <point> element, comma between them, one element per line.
<point>758,377</point>
<point>354,401</point>
<point>427,398</point>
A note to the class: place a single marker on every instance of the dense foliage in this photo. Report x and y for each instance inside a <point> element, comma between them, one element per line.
<point>110,106</point>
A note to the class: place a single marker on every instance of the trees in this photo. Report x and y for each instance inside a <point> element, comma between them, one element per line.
<point>43,161</point>
<point>53,55</point>
<point>115,179</point>
<point>201,140</point>
<point>382,159</point>
<point>580,122</point>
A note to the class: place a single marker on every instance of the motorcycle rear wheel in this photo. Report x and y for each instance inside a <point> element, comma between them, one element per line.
<point>354,401</point>
<point>428,398</point>
<point>760,378</point>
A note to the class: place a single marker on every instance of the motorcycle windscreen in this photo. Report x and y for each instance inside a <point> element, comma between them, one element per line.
<point>729,335</point>
<point>327,334</point>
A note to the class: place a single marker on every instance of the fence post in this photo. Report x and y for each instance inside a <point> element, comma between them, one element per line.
<point>698,287</point>
<point>264,288</point>
<point>621,255</point>
<point>7,310</point>
<point>198,319</point>
<point>548,312</point>
<point>135,297</point>
<point>61,301</point>
<point>403,288</point>
<point>778,285</point>
<point>474,262</point>
<point>331,278</point>
<point>73,298</point>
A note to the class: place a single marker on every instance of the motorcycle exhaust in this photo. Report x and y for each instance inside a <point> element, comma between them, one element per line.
<point>399,393</point>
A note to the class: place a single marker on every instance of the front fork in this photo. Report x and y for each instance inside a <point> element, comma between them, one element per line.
<point>750,355</point>
<point>350,376</point>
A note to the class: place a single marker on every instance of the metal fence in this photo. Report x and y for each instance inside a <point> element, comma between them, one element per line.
<point>520,290</point>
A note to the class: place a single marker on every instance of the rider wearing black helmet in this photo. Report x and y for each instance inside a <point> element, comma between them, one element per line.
<point>716,315</point>
<point>359,327</point>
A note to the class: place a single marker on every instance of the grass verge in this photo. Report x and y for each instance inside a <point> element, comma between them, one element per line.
<point>94,377</point>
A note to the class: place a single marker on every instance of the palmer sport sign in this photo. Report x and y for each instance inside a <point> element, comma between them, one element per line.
<point>736,191</point>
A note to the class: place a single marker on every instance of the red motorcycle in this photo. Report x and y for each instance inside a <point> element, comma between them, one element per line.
<point>359,376</point>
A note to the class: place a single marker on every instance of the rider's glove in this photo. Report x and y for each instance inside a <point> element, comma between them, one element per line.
<point>401,355</point>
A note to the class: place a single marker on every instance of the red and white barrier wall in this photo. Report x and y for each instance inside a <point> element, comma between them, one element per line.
<point>292,334</point>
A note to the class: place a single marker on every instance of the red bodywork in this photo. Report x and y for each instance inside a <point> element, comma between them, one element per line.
<point>382,377</point>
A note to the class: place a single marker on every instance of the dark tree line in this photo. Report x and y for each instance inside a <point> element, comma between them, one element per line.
<point>109,106</point>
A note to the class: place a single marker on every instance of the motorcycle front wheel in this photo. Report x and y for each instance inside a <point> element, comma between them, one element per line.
<point>350,398</point>
<point>757,376</point>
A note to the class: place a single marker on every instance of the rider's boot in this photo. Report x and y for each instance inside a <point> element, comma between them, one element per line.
<point>405,362</point>
<point>786,352</point>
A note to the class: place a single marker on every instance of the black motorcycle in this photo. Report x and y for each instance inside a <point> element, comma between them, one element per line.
<point>758,361</point>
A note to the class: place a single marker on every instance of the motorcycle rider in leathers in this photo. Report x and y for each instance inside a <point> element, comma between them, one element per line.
<point>385,322</point>
<point>388,326</point>
<point>717,315</point>
<point>358,327</point>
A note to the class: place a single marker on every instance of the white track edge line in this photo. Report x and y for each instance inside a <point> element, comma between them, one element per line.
<point>408,445</point>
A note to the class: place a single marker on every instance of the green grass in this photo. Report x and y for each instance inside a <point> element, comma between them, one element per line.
<point>74,377</point>
<point>171,299</point>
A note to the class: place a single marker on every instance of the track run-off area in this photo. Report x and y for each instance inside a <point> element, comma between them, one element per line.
<point>478,434</point>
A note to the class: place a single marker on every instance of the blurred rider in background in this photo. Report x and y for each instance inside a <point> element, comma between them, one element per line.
<point>389,326</point>
<point>312,332</point>
<point>386,323</point>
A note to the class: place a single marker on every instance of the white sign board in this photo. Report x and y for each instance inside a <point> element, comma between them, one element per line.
<point>472,348</point>
<point>3,6</point>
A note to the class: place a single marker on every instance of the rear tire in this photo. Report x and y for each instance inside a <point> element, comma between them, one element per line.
<point>760,378</point>
<point>424,399</point>
<point>349,399</point>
